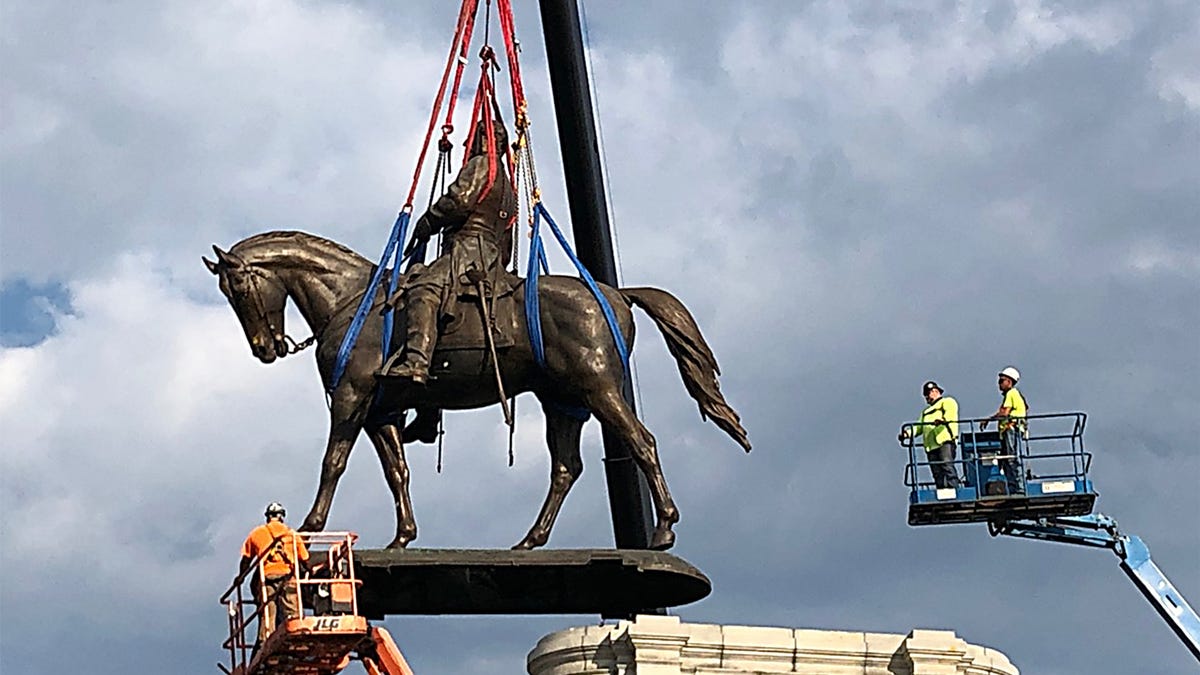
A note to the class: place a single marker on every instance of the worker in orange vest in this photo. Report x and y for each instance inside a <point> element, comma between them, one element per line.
<point>283,554</point>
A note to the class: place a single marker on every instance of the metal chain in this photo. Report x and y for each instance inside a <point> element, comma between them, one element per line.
<point>294,347</point>
<point>527,178</point>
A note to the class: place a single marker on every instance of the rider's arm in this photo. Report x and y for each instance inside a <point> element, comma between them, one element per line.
<point>452,208</point>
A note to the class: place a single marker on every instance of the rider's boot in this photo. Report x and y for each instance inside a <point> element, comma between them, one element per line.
<point>412,362</point>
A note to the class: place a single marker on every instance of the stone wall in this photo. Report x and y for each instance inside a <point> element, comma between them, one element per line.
<point>663,645</point>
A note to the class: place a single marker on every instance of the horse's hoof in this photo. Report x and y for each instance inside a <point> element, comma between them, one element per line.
<point>528,544</point>
<point>400,542</point>
<point>663,540</point>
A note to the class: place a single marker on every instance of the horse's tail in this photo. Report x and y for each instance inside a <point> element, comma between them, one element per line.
<point>696,362</point>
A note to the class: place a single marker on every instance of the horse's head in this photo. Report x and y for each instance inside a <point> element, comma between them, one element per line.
<point>258,297</point>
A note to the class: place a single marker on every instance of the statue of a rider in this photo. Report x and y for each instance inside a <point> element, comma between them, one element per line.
<point>474,217</point>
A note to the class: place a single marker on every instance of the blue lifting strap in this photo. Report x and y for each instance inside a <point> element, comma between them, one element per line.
<point>390,252</point>
<point>537,263</point>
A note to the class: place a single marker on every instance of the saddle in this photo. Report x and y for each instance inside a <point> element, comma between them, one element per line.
<point>462,349</point>
<point>465,329</point>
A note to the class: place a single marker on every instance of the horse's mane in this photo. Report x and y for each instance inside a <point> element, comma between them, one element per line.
<point>297,249</point>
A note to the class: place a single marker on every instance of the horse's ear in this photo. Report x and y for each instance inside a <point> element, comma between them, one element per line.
<point>212,266</point>
<point>227,259</point>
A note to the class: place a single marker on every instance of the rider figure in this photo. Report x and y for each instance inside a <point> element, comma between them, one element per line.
<point>475,218</point>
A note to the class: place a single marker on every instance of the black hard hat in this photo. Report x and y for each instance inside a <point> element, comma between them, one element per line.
<point>930,385</point>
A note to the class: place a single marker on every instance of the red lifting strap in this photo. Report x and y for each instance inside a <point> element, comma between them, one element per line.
<point>483,112</point>
<point>458,49</point>
<point>508,30</point>
<point>485,103</point>
<point>448,126</point>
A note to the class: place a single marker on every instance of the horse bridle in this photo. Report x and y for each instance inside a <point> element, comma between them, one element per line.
<point>290,346</point>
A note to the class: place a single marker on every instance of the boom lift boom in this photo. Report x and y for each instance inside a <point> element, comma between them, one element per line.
<point>1100,531</point>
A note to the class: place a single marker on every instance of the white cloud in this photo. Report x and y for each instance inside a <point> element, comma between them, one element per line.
<point>879,69</point>
<point>1040,25</point>
<point>135,398</point>
<point>205,121</point>
<point>1176,65</point>
<point>1152,257</point>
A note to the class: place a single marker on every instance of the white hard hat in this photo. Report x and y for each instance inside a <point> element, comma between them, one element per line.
<point>1011,373</point>
<point>275,509</point>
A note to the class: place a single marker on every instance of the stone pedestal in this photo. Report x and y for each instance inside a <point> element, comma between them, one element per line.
<point>663,645</point>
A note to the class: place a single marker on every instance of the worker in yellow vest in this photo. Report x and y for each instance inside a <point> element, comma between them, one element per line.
<point>283,556</point>
<point>1010,421</point>
<point>938,428</point>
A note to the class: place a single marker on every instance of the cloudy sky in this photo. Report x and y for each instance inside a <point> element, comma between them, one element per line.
<point>850,199</point>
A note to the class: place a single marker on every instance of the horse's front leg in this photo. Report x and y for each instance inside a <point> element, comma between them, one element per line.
<point>389,447</point>
<point>346,420</point>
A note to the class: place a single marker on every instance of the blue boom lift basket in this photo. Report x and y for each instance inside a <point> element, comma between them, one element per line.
<point>1052,500</point>
<point>1051,459</point>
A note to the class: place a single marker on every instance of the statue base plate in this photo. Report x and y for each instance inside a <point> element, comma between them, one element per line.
<point>614,583</point>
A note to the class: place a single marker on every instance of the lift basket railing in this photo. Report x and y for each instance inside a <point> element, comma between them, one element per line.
<point>331,588</point>
<point>1049,447</point>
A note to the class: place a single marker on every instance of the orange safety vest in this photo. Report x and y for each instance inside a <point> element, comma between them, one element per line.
<point>274,542</point>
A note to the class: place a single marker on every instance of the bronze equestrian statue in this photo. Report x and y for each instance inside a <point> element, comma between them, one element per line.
<point>583,369</point>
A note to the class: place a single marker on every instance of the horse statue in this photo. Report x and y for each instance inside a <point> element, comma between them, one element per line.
<point>583,370</point>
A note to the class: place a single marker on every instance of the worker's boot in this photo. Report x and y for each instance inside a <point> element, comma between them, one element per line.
<point>412,363</point>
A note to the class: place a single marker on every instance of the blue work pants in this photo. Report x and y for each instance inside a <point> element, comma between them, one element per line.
<point>941,464</point>
<point>1010,447</point>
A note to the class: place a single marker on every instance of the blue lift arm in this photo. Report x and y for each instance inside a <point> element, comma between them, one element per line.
<point>1100,531</point>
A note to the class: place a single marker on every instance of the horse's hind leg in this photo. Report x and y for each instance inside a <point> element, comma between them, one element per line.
<point>616,415</point>
<point>386,439</point>
<point>562,439</point>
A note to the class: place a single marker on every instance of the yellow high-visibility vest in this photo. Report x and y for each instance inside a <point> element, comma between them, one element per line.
<point>1017,409</point>
<point>934,435</point>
